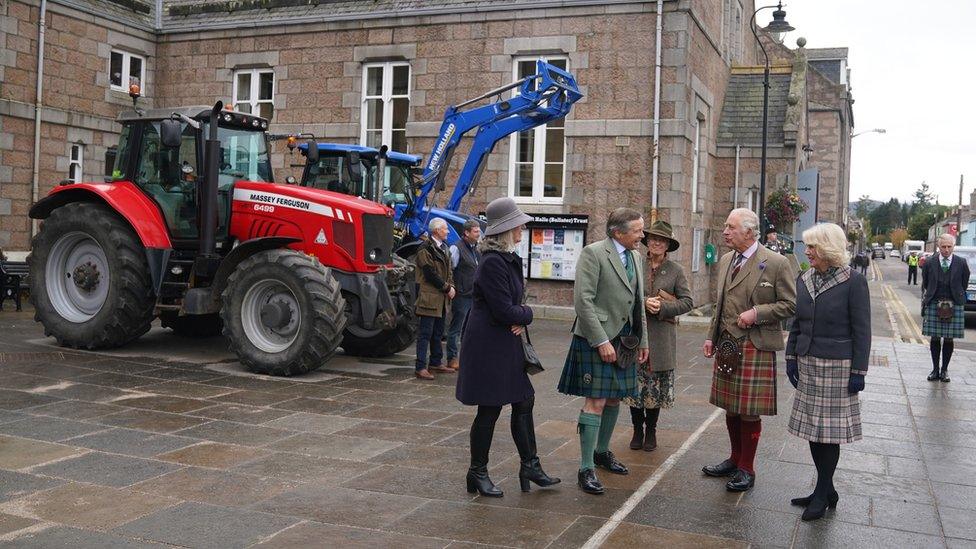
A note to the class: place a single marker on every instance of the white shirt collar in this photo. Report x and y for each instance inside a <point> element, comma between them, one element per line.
<point>620,247</point>
<point>437,242</point>
<point>949,259</point>
<point>750,250</point>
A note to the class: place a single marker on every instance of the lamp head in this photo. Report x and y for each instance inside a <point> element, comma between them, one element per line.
<point>778,26</point>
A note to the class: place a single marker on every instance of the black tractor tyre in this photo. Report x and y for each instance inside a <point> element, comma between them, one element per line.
<point>195,326</point>
<point>385,343</point>
<point>312,299</point>
<point>127,309</point>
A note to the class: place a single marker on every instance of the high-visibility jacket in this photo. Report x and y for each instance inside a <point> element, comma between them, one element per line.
<point>913,261</point>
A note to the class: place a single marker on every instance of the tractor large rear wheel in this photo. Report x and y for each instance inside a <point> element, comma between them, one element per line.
<point>90,282</point>
<point>283,313</point>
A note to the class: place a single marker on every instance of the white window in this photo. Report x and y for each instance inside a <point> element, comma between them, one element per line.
<point>696,250</point>
<point>386,104</point>
<point>254,92</point>
<point>694,167</point>
<point>731,30</point>
<point>537,170</point>
<point>126,69</point>
<point>754,200</point>
<point>76,162</point>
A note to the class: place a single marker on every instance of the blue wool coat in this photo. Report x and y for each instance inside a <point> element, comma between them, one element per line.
<point>492,359</point>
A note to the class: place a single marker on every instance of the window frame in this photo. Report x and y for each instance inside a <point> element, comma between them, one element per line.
<point>695,167</point>
<point>540,137</point>
<point>126,76</point>
<point>80,162</point>
<point>386,97</point>
<point>696,249</point>
<point>255,89</point>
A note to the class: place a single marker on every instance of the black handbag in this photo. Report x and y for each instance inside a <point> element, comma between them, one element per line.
<point>532,364</point>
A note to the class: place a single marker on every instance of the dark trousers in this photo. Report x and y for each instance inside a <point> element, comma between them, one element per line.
<point>429,334</point>
<point>913,275</point>
<point>460,307</point>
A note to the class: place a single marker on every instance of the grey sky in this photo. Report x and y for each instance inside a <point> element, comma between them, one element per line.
<point>912,73</point>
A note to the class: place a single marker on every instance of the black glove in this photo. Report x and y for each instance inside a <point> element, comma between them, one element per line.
<point>793,371</point>
<point>856,384</point>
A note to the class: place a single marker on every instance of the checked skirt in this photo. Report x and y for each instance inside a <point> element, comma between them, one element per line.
<point>823,409</point>
<point>933,327</point>
<point>585,375</point>
<point>751,389</point>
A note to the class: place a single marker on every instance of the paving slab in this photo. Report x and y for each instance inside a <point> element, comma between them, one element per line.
<point>12,523</point>
<point>63,537</point>
<point>235,433</point>
<point>18,453</point>
<point>214,487</point>
<point>106,469</point>
<point>86,506</point>
<point>14,485</point>
<point>333,446</point>
<point>343,506</point>
<point>311,534</point>
<point>313,423</point>
<point>131,442</point>
<point>322,472</point>
<point>213,455</point>
<point>147,420</point>
<point>201,525</point>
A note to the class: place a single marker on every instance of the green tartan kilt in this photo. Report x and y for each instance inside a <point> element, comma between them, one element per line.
<point>751,389</point>
<point>954,328</point>
<point>586,375</point>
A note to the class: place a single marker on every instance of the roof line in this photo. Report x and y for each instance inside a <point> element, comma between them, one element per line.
<point>328,18</point>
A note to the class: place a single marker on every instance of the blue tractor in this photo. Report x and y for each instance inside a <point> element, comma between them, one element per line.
<point>547,95</point>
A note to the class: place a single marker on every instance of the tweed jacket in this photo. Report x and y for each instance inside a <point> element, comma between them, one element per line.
<point>434,276</point>
<point>603,296</point>
<point>836,323</point>
<point>958,279</point>
<point>661,334</point>
<point>765,281</point>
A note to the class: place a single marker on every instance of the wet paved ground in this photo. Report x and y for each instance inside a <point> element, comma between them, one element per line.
<point>168,442</point>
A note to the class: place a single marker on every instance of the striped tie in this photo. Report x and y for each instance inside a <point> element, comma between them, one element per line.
<point>738,265</point>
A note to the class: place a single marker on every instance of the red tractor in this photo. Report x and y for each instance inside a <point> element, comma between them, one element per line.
<point>191,228</point>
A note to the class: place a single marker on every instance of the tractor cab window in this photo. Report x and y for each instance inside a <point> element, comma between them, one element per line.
<point>243,156</point>
<point>123,152</point>
<point>396,184</point>
<point>169,176</point>
<point>330,174</point>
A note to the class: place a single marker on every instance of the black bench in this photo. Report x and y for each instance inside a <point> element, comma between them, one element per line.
<point>13,280</point>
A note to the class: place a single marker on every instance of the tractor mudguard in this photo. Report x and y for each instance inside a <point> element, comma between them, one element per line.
<point>123,197</point>
<point>241,252</point>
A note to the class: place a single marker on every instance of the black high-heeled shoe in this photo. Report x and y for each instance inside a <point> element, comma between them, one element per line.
<point>832,500</point>
<point>478,481</point>
<point>532,472</point>
<point>816,510</point>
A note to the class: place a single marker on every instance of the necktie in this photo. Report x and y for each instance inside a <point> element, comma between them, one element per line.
<point>629,266</point>
<point>945,265</point>
<point>738,265</point>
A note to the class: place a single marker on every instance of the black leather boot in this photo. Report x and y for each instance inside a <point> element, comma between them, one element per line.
<point>477,479</point>
<point>530,470</point>
<point>650,437</point>
<point>944,375</point>
<point>637,418</point>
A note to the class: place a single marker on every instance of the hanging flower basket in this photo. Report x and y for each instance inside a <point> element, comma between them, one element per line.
<point>784,207</point>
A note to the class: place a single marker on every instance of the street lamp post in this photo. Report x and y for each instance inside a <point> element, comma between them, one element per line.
<point>875,130</point>
<point>777,26</point>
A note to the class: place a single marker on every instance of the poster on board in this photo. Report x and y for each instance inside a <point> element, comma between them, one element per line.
<point>551,245</point>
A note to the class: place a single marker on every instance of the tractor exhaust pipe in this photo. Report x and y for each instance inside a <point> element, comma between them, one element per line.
<point>206,260</point>
<point>380,175</point>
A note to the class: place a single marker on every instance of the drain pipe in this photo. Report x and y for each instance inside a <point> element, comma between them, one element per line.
<point>35,181</point>
<point>735,194</point>
<point>657,108</point>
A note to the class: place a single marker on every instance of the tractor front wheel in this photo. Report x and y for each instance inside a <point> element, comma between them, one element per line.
<point>283,313</point>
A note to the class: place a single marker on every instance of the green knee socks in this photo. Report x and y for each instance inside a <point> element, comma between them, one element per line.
<point>607,423</point>
<point>589,428</point>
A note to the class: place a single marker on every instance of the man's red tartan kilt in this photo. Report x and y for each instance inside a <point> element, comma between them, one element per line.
<point>751,389</point>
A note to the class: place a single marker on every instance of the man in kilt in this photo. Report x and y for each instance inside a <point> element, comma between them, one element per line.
<point>756,292</point>
<point>944,280</point>
<point>609,340</point>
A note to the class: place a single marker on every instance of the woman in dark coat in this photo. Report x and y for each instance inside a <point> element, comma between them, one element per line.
<point>493,373</point>
<point>827,358</point>
<point>667,296</point>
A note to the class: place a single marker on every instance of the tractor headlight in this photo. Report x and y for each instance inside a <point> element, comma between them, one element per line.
<point>374,254</point>
<point>228,117</point>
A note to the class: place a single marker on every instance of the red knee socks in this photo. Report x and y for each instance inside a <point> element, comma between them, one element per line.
<point>733,424</point>
<point>749,442</point>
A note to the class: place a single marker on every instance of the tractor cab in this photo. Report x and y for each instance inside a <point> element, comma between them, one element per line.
<point>171,173</point>
<point>330,171</point>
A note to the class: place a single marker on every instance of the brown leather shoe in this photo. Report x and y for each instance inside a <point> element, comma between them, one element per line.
<point>423,374</point>
<point>454,364</point>
<point>441,369</point>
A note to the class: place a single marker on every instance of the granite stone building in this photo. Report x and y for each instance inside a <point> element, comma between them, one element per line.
<point>384,71</point>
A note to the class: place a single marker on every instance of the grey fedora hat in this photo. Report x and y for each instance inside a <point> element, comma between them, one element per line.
<point>504,215</point>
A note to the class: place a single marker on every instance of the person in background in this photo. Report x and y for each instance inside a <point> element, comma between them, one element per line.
<point>464,262</point>
<point>913,269</point>
<point>827,357</point>
<point>772,241</point>
<point>756,292</point>
<point>434,277</point>
<point>608,297</point>
<point>492,353</point>
<point>945,277</point>
<point>667,296</point>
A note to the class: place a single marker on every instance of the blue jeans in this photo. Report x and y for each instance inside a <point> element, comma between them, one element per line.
<point>429,334</point>
<point>460,308</point>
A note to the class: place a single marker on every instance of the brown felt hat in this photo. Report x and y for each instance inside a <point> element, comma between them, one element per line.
<point>663,230</point>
